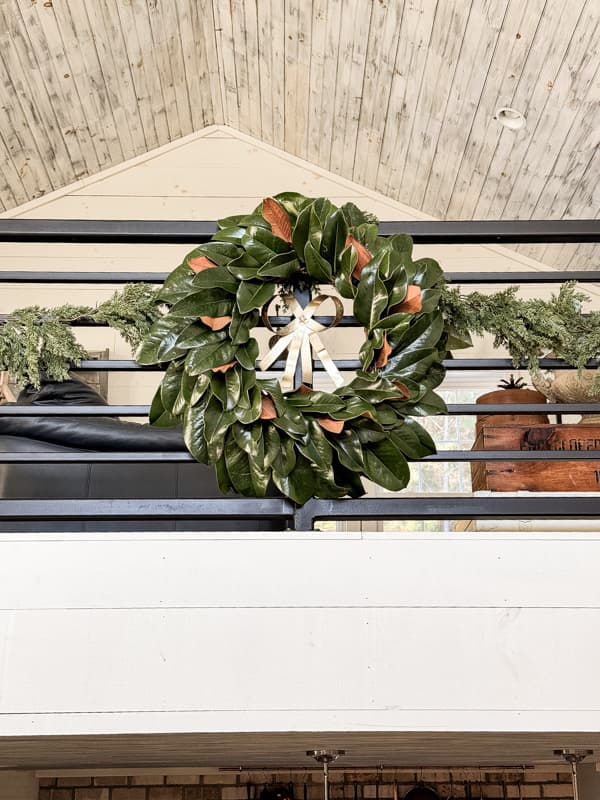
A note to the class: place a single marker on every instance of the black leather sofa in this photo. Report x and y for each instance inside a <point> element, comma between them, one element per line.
<point>39,434</point>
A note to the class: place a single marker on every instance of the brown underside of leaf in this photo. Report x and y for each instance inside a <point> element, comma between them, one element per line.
<point>383,353</point>
<point>277,218</point>
<point>411,304</point>
<point>304,389</point>
<point>224,367</point>
<point>363,256</point>
<point>216,323</point>
<point>200,263</point>
<point>403,389</point>
<point>331,425</point>
<point>268,410</point>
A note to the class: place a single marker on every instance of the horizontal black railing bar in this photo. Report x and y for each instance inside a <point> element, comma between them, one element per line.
<point>197,231</point>
<point>130,457</point>
<point>453,409</point>
<point>275,321</point>
<point>554,276</point>
<point>498,364</point>
<point>447,508</point>
<point>201,508</point>
<point>303,518</point>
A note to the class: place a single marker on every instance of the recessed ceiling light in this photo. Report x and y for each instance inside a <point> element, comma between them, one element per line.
<point>510,118</point>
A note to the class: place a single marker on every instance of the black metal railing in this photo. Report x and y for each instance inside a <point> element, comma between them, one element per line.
<point>393,508</point>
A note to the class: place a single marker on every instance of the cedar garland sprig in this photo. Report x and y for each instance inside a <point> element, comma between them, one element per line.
<point>37,340</point>
<point>528,329</point>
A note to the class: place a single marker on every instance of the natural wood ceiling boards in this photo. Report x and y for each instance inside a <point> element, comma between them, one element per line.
<point>398,95</point>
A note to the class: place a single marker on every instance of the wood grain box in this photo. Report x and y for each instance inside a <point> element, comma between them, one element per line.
<point>557,476</point>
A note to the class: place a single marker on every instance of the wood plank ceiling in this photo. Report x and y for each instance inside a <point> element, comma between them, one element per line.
<point>398,95</point>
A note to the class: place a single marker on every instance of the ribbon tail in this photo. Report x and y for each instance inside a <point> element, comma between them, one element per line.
<point>324,357</point>
<point>276,351</point>
<point>307,364</point>
<point>287,380</point>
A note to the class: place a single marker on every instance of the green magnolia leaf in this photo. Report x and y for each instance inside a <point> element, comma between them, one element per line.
<point>246,472</point>
<point>349,450</point>
<point>343,281</point>
<point>200,387</point>
<point>217,278</point>
<point>256,247</point>
<point>317,450</point>
<point>252,294</point>
<point>293,202</point>
<point>301,231</point>
<point>233,234</point>
<point>216,423</point>
<point>218,388</point>
<point>250,412</point>
<point>369,431</point>
<point>320,210</point>
<point>171,383</point>
<point>386,466</point>
<point>241,325</point>
<point>367,234</point>
<point>177,285</point>
<point>198,335</point>
<point>160,343</point>
<point>354,216</point>
<point>283,267</point>
<point>244,267</point>
<point>410,442</point>
<point>401,243</point>
<point>299,484</point>
<point>272,445</point>
<point>248,383</point>
<point>285,460</point>
<point>193,431</point>
<point>247,354</point>
<point>272,242</point>
<point>348,479</point>
<point>159,416</point>
<point>412,364</point>
<point>371,295</point>
<point>243,220</point>
<point>212,354</point>
<point>315,402</point>
<point>220,253</point>
<point>430,403</point>
<point>186,389</point>
<point>425,331</point>
<point>335,232</point>
<point>208,302</point>
<point>233,385</point>
<point>316,266</point>
<point>353,408</point>
<point>396,323</point>
<point>223,479</point>
<point>427,273</point>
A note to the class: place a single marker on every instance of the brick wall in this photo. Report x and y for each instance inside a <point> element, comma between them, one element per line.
<point>458,784</point>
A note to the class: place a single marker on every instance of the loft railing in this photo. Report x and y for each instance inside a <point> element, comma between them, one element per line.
<point>393,508</point>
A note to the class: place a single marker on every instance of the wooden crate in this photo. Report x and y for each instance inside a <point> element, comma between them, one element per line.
<point>557,476</point>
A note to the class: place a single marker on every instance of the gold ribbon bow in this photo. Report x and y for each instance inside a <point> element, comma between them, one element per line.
<point>301,338</point>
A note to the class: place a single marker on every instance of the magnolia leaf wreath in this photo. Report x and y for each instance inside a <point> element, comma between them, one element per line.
<point>308,443</point>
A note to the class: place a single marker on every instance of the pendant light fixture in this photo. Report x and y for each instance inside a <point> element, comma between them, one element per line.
<point>325,757</point>
<point>574,757</point>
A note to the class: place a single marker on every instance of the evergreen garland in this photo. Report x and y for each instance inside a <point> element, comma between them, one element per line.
<point>38,340</point>
<point>528,329</point>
